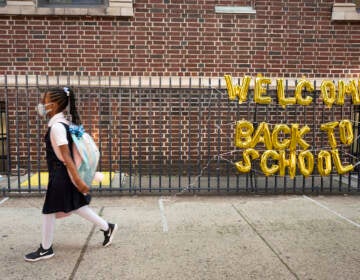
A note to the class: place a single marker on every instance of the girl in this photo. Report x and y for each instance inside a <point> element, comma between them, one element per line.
<point>66,192</point>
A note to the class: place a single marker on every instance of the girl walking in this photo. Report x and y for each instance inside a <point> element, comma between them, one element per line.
<point>66,191</point>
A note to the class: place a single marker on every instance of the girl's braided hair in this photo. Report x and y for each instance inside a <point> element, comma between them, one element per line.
<point>62,97</point>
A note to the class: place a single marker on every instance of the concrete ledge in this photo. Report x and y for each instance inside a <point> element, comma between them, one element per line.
<point>345,12</point>
<point>141,81</point>
<point>234,10</point>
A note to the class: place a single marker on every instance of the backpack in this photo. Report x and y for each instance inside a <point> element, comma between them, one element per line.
<point>86,153</point>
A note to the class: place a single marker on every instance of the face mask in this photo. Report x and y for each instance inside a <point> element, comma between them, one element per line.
<point>41,109</point>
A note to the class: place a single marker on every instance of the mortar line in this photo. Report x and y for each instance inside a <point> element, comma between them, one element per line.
<point>163,217</point>
<point>4,200</point>
<point>84,248</point>
<point>265,241</point>
<point>332,211</point>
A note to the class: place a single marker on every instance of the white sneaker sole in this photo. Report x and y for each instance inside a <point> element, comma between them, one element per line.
<point>39,259</point>
<point>112,235</point>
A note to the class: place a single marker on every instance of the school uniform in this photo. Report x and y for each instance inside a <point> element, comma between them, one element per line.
<point>62,195</point>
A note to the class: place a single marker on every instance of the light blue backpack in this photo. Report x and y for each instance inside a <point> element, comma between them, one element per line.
<point>86,153</point>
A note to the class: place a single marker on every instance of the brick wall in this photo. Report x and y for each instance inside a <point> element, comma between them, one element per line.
<point>185,38</point>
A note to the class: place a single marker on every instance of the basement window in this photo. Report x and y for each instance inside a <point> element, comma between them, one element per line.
<point>122,8</point>
<point>69,2</point>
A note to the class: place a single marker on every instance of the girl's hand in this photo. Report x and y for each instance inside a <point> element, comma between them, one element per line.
<point>83,188</point>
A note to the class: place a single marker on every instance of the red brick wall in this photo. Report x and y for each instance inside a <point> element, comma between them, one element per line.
<point>287,38</point>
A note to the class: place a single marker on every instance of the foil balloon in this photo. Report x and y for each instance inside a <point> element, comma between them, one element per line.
<point>324,163</point>
<point>275,136</point>
<point>329,128</point>
<point>262,134</point>
<point>239,91</point>
<point>341,93</point>
<point>354,91</point>
<point>245,165</point>
<point>268,171</point>
<point>337,162</point>
<point>287,163</point>
<point>306,163</point>
<point>303,83</point>
<point>259,91</point>
<point>243,132</point>
<point>297,137</point>
<point>283,101</point>
<point>328,92</point>
<point>346,132</point>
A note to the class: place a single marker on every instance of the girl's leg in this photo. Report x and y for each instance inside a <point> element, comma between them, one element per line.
<point>87,213</point>
<point>48,230</point>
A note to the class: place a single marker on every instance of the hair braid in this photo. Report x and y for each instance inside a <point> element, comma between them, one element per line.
<point>59,96</point>
<point>73,111</point>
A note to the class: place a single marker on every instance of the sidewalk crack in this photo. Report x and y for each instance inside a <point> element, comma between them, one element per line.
<point>265,241</point>
<point>84,248</point>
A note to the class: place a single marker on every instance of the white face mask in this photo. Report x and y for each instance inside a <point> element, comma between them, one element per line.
<point>41,109</point>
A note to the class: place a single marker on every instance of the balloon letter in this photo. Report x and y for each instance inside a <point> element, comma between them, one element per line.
<point>275,137</point>
<point>281,94</point>
<point>339,167</point>
<point>329,127</point>
<point>291,163</point>
<point>306,163</point>
<point>328,92</point>
<point>263,162</point>
<point>296,137</point>
<point>324,163</point>
<point>245,166</point>
<point>243,132</point>
<point>346,132</point>
<point>262,134</point>
<point>236,90</point>
<point>260,90</point>
<point>298,92</point>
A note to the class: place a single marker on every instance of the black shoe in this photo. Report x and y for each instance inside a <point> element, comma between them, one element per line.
<point>109,234</point>
<point>40,254</point>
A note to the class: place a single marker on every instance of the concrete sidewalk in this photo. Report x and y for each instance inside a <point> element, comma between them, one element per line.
<point>234,237</point>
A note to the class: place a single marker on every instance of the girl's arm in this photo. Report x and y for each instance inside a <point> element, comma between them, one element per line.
<point>72,170</point>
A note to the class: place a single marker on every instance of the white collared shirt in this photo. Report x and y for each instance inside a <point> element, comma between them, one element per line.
<point>58,135</point>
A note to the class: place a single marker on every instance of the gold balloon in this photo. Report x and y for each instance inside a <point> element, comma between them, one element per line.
<point>341,93</point>
<point>263,162</point>
<point>275,136</point>
<point>296,137</point>
<point>243,133</point>
<point>290,163</point>
<point>283,101</point>
<point>303,158</point>
<point>245,166</point>
<point>303,83</point>
<point>260,91</point>
<point>329,128</point>
<point>328,92</point>
<point>262,134</point>
<point>354,91</point>
<point>346,132</point>
<point>324,163</point>
<point>238,91</point>
<point>339,167</point>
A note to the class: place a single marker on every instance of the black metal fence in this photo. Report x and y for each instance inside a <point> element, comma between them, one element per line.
<point>167,140</point>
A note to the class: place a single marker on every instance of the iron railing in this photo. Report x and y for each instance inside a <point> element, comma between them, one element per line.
<point>166,139</point>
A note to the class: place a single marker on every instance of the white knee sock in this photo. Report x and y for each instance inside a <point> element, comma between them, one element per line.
<point>87,213</point>
<point>48,230</point>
